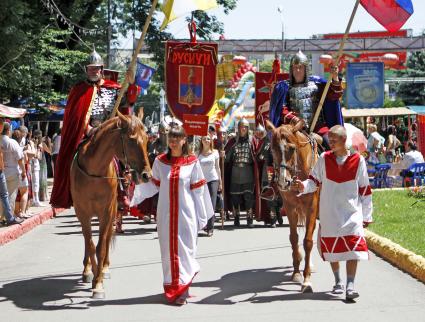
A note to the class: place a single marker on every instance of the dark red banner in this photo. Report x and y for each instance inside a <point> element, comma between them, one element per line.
<point>264,84</point>
<point>195,124</point>
<point>190,77</point>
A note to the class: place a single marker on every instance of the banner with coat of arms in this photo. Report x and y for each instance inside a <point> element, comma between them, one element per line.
<point>264,84</point>
<point>190,77</point>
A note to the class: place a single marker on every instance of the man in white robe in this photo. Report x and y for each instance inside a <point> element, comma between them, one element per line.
<point>184,207</point>
<point>345,207</point>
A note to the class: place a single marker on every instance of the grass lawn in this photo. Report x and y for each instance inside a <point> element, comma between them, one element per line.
<point>396,220</point>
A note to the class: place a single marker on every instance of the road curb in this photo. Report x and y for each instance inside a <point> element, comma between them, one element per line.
<point>400,257</point>
<point>15,231</point>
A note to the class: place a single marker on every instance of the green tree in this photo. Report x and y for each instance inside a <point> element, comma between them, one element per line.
<point>413,93</point>
<point>44,44</point>
<point>398,102</point>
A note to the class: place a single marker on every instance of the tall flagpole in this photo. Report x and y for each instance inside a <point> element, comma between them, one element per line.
<point>339,55</point>
<point>131,68</point>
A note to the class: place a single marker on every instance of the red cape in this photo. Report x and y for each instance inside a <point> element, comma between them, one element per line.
<point>74,124</point>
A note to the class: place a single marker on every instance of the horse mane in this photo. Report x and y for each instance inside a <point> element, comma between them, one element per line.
<point>133,123</point>
<point>286,132</point>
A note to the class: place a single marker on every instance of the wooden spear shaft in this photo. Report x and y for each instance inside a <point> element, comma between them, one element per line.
<point>133,62</point>
<point>340,51</point>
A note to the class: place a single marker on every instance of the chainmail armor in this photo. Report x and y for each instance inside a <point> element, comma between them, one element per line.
<point>302,100</point>
<point>103,103</point>
<point>243,153</point>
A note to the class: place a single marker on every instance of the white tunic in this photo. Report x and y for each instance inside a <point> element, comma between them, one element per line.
<point>345,203</point>
<point>184,207</point>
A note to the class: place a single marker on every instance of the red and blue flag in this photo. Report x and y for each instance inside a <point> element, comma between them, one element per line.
<point>144,75</point>
<point>392,14</point>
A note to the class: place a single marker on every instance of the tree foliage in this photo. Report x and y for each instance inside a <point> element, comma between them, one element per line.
<point>42,55</point>
<point>413,93</point>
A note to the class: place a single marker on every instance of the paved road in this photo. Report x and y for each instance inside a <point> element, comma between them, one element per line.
<point>245,277</point>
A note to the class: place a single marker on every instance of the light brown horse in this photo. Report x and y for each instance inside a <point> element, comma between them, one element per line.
<point>294,155</point>
<point>94,183</point>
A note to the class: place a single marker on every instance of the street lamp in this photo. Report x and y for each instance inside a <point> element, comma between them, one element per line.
<point>280,10</point>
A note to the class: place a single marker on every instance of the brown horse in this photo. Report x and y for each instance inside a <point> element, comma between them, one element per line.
<point>94,183</point>
<point>294,155</point>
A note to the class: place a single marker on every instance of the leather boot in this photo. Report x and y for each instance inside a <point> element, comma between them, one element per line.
<point>279,219</point>
<point>249,218</point>
<point>236,215</point>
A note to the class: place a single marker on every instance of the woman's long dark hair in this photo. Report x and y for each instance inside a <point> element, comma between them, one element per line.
<point>177,131</point>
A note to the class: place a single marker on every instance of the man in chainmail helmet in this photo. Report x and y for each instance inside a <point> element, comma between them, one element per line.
<point>296,100</point>
<point>242,177</point>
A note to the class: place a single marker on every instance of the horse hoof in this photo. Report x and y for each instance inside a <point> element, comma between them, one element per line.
<point>306,288</point>
<point>107,276</point>
<point>88,278</point>
<point>297,278</point>
<point>98,295</point>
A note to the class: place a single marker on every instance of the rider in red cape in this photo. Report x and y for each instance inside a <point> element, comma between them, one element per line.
<point>89,103</point>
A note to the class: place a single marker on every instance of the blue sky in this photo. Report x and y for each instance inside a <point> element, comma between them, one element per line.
<point>253,19</point>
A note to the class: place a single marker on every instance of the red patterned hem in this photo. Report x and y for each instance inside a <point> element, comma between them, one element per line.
<point>342,244</point>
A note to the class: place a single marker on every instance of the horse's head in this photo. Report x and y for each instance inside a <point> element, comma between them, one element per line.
<point>134,148</point>
<point>285,158</point>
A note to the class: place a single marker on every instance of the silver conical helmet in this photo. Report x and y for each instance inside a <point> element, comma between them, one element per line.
<point>300,58</point>
<point>297,59</point>
<point>95,59</point>
<point>243,122</point>
<point>260,128</point>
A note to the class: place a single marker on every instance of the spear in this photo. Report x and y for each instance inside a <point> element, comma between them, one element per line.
<point>339,55</point>
<point>131,69</point>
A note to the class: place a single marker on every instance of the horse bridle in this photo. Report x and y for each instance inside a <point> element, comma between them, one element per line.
<point>285,167</point>
<point>294,169</point>
<point>127,168</point>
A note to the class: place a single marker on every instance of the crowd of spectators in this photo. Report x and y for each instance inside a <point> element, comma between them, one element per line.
<point>25,160</point>
<point>395,145</point>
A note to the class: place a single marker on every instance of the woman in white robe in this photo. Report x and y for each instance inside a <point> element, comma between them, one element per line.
<point>184,207</point>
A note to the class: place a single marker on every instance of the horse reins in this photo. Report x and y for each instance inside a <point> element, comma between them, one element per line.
<point>127,168</point>
<point>294,169</point>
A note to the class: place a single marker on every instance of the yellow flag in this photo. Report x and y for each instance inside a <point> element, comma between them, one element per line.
<point>174,9</point>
